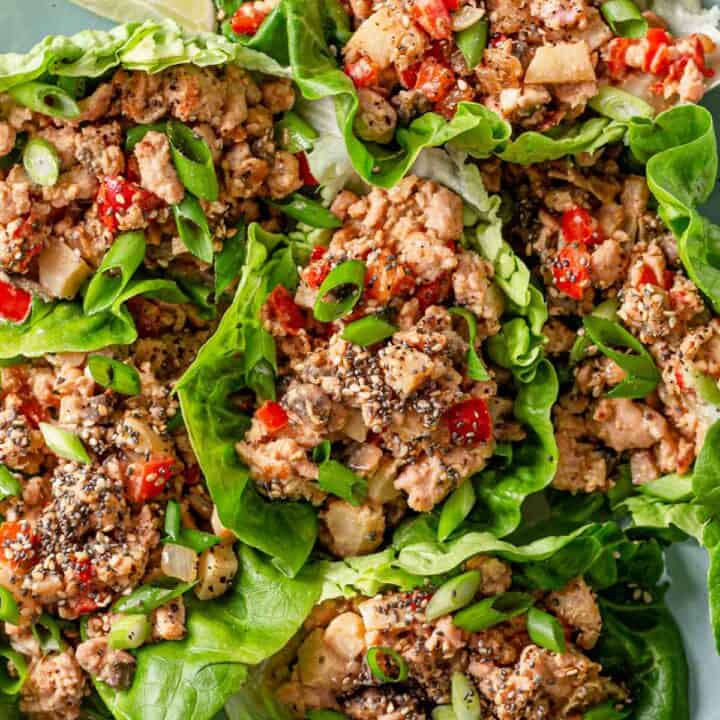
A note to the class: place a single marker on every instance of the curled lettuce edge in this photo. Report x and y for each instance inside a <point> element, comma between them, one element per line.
<point>293,35</point>
<point>640,643</point>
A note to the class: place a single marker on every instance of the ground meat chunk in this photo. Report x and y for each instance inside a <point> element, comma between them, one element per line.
<point>625,424</point>
<point>575,605</point>
<point>284,177</point>
<point>54,688</point>
<point>157,172</point>
<point>7,138</point>
<point>376,119</point>
<point>193,94</point>
<point>473,287</point>
<point>113,667</point>
<point>384,703</point>
<point>168,621</point>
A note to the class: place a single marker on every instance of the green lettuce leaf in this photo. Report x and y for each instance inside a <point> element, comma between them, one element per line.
<point>293,35</point>
<point>501,492</point>
<point>149,46</point>
<point>191,679</point>
<point>286,531</point>
<point>57,327</point>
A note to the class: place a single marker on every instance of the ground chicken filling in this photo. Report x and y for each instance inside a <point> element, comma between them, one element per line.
<point>514,678</point>
<point>595,243</point>
<point>83,534</point>
<point>52,238</point>
<point>402,412</point>
<point>543,62</point>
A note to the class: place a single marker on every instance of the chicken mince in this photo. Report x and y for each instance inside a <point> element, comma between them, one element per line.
<point>428,353</point>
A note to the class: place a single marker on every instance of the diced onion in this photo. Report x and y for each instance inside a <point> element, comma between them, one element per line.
<point>179,562</point>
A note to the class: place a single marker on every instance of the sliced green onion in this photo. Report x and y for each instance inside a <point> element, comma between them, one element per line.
<point>129,632</point>
<point>8,607</point>
<point>465,698</point>
<point>172,520</point>
<point>475,368</point>
<point>9,684</point>
<point>607,711</point>
<point>46,99</point>
<point>115,375</point>
<point>707,388</point>
<point>492,611</point>
<point>76,87</point>
<point>294,134</point>
<point>642,375</point>
<point>378,672</point>
<point>321,452</point>
<point>472,42</point>
<point>368,331</point>
<point>619,104</point>
<point>187,537</point>
<point>9,484</point>
<point>41,162</point>
<point>46,630</point>
<point>456,508</point>
<point>453,595</point>
<point>325,715</point>
<point>64,443</point>
<point>307,211</point>
<point>545,630</point>
<point>115,272</point>
<point>135,134</point>
<point>147,598</point>
<point>624,18</point>
<point>607,310</point>
<point>196,539</point>
<point>336,479</point>
<point>193,228</point>
<point>350,274</point>
<point>193,161</point>
<point>443,712</point>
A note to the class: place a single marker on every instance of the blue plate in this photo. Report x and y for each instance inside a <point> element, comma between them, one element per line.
<point>25,22</point>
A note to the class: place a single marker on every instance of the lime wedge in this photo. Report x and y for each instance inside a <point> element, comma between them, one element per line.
<point>193,15</point>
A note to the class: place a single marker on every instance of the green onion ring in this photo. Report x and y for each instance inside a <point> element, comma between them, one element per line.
<point>46,99</point>
<point>453,595</point>
<point>11,685</point>
<point>368,331</point>
<point>113,374</point>
<point>193,161</point>
<point>64,443</point>
<point>351,272</point>
<point>8,607</point>
<point>545,630</point>
<point>376,670</point>
<point>492,611</point>
<point>41,162</point>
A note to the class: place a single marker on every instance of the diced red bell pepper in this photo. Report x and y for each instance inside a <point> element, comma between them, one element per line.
<point>18,545</point>
<point>81,604</point>
<point>433,293</point>
<point>85,570</point>
<point>116,195</point>
<point>617,50</point>
<point>363,72</point>
<point>577,225</point>
<point>32,410</point>
<point>570,270</point>
<point>408,76</point>
<point>386,278</point>
<point>433,17</point>
<point>452,5</point>
<point>148,479</point>
<point>305,172</point>
<point>283,308</point>
<point>648,276</point>
<point>469,422</point>
<point>318,269</point>
<point>434,80</point>
<point>657,40</point>
<point>272,415</point>
<point>15,303</point>
<point>249,17</point>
